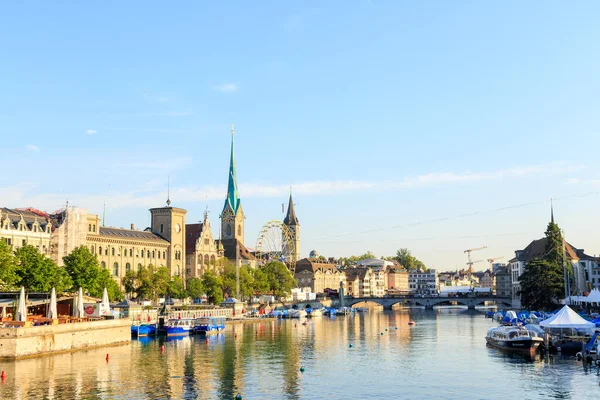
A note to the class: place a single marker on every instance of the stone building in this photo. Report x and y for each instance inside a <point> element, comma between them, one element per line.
<point>502,279</point>
<point>423,282</point>
<point>22,226</point>
<point>161,245</point>
<point>318,275</point>
<point>203,251</point>
<point>397,281</point>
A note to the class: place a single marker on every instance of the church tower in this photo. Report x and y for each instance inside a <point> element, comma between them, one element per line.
<point>291,221</point>
<point>169,223</point>
<point>232,216</point>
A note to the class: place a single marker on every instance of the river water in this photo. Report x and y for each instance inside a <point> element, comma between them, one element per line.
<point>443,357</point>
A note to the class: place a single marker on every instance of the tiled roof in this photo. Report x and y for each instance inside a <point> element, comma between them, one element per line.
<point>130,234</point>
<point>192,233</point>
<point>537,249</point>
<point>29,217</point>
<point>314,264</point>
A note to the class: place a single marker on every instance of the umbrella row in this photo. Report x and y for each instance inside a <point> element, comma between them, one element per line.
<point>21,313</point>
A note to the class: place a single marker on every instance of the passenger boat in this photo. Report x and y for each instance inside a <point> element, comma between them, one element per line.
<point>208,325</point>
<point>513,339</point>
<point>179,327</point>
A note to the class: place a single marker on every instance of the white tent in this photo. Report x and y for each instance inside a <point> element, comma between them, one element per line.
<point>567,318</point>
<point>52,312</point>
<point>22,308</point>
<point>593,297</point>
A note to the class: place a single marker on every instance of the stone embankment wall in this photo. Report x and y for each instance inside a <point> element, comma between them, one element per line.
<point>41,340</point>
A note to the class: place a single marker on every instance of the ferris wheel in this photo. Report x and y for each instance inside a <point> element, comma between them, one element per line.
<point>275,242</point>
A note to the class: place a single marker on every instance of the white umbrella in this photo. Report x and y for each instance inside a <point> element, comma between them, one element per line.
<point>105,301</point>
<point>78,309</point>
<point>22,308</point>
<point>52,312</point>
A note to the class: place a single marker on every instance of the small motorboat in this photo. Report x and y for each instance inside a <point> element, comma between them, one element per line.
<point>143,330</point>
<point>412,323</point>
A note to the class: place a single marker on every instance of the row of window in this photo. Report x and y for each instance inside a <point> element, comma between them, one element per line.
<point>115,268</point>
<point>22,227</point>
<point>129,252</point>
<point>91,227</point>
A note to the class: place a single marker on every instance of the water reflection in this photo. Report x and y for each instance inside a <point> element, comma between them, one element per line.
<point>443,356</point>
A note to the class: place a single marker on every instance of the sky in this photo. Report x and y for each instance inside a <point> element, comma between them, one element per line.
<point>433,126</point>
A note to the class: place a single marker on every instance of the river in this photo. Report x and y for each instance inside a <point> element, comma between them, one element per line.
<point>374,355</point>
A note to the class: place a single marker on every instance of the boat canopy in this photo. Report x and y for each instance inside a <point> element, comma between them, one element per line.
<point>567,318</point>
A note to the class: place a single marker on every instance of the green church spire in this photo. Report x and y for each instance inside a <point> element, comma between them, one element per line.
<point>233,196</point>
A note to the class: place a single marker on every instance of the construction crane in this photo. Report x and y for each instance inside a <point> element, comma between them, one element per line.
<point>469,262</point>
<point>491,260</point>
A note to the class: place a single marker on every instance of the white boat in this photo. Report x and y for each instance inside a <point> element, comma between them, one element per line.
<point>344,311</point>
<point>316,312</point>
<point>297,314</point>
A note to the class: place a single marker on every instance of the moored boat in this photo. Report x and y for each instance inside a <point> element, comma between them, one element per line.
<point>179,327</point>
<point>513,339</point>
<point>209,325</point>
<point>314,312</point>
<point>143,330</point>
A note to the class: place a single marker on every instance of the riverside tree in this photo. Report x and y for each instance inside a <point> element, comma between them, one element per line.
<point>195,288</point>
<point>85,272</point>
<point>279,278</point>
<point>213,286</point>
<point>38,273</point>
<point>9,267</point>
<point>408,261</point>
<point>542,281</point>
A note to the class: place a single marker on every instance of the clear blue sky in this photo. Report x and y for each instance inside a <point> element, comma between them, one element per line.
<point>384,116</point>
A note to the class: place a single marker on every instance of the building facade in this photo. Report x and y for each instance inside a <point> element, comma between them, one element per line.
<point>19,227</point>
<point>317,275</point>
<point>503,282</point>
<point>423,282</point>
<point>203,251</point>
<point>397,282</point>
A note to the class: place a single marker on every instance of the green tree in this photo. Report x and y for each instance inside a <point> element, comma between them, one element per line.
<point>229,280</point>
<point>9,267</point>
<point>195,288</point>
<point>161,280</point>
<point>213,285</point>
<point>38,273</point>
<point>408,261</point>
<point>85,272</point>
<point>279,277</point>
<point>261,282</point>
<point>541,285</point>
<point>176,288</point>
<point>131,283</point>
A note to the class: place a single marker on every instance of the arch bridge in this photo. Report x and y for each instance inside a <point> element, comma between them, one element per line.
<point>430,302</point>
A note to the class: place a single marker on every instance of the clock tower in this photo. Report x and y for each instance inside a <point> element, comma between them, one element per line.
<point>169,223</point>
<point>232,216</point>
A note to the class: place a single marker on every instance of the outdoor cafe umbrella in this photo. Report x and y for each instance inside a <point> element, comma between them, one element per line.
<point>52,312</point>
<point>22,308</point>
<point>105,301</point>
<point>78,309</point>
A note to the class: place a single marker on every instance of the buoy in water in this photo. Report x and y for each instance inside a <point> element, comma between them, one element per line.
<point>162,348</point>
<point>396,328</point>
<point>107,357</point>
<point>386,329</point>
<point>3,376</point>
<point>238,397</point>
<point>302,369</point>
<point>351,345</point>
<point>381,333</point>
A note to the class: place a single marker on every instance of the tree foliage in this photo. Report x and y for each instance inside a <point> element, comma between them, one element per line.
<point>542,281</point>
<point>541,285</point>
<point>408,261</point>
<point>213,285</point>
<point>9,268</point>
<point>38,273</point>
<point>279,278</point>
<point>195,288</point>
<point>228,278</point>
<point>85,272</point>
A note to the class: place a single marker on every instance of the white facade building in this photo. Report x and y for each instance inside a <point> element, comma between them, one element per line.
<point>423,283</point>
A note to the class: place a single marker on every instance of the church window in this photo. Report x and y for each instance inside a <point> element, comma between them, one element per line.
<point>152,253</point>
<point>130,252</point>
<point>116,269</point>
<point>139,266</point>
<point>148,254</point>
<point>228,230</point>
<point>89,227</point>
<point>127,267</point>
<point>162,228</point>
<point>164,254</point>
<point>239,230</point>
<point>206,259</point>
<point>94,227</point>
<point>93,250</point>
<point>206,242</point>
<point>159,255</point>
<point>212,259</point>
<point>200,259</point>
<point>103,264</point>
<point>112,251</point>
<point>100,250</point>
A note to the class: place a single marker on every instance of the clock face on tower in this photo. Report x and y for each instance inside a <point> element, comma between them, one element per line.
<point>177,228</point>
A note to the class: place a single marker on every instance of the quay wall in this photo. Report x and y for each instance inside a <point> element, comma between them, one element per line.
<point>41,340</point>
